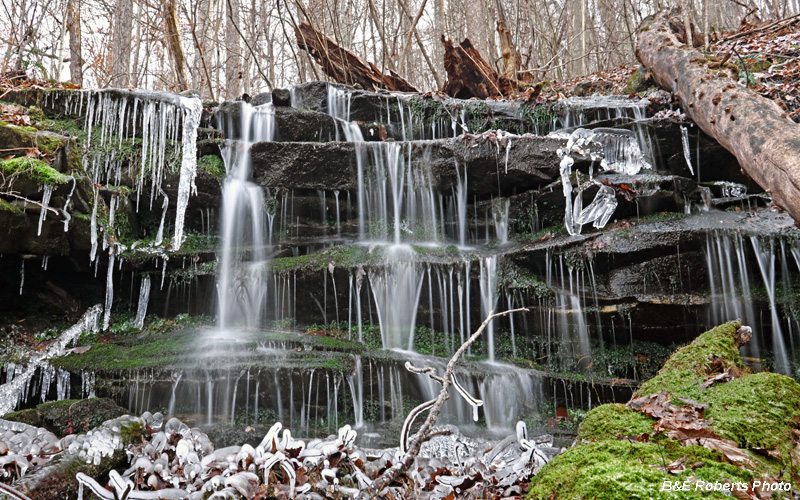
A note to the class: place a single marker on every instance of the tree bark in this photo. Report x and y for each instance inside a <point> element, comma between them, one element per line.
<point>755,129</point>
<point>233,64</point>
<point>469,75</point>
<point>75,54</point>
<point>121,43</point>
<point>174,43</point>
<point>345,67</point>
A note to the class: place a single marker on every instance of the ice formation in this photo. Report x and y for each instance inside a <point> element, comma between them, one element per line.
<point>14,391</point>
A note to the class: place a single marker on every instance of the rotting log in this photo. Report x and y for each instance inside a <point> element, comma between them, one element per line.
<point>765,141</point>
<point>469,75</point>
<point>345,67</point>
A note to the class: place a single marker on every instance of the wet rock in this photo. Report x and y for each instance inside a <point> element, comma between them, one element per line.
<point>85,414</point>
<point>532,162</point>
<point>281,97</point>
<point>303,126</point>
<point>261,98</point>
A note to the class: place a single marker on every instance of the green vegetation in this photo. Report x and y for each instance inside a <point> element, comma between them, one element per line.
<point>212,165</point>
<point>758,412</point>
<point>623,470</point>
<point>689,366</point>
<point>340,256</point>
<point>33,168</point>
<point>539,115</point>
<point>614,421</point>
<point>8,207</point>
<point>638,361</point>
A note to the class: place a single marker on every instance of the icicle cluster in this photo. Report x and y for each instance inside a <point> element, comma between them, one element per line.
<point>113,116</point>
<point>600,210</point>
<point>14,391</point>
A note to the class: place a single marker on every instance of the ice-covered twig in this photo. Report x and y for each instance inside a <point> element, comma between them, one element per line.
<point>424,432</point>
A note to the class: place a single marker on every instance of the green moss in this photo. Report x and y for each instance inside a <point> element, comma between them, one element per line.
<point>687,368</point>
<point>515,277</point>
<point>623,470</point>
<point>35,169</point>
<point>341,257</point>
<point>212,165</point>
<point>614,421</point>
<point>172,344</point>
<point>8,207</point>
<point>756,411</point>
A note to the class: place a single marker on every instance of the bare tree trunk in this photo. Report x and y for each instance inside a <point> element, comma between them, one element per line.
<point>510,57</point>
<point>345,67</point>
<point>233,64</point>
<point>199,26</point>
<point>75,55</point>
<point>755,129</point>
<point>121,43</point>
<point>174,44</point>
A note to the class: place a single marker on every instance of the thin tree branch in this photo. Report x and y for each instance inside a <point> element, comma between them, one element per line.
<point>424,432</point>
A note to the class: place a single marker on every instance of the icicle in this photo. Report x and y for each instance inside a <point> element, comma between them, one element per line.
<point>160,234</point>
<point>163,272</point>
<point>144,296</point>
<point>192,109</point>
<point>686,154</point>
<point>12,392</point>
<point>67,216</point>
<point>21,276</point>
<point>109,288</point>
<point>93,227</point>
<point>48,190</point>
<point>604,204</point>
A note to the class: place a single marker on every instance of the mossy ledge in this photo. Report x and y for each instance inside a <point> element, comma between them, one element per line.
<point>760,412</point>
<point>36,170</point>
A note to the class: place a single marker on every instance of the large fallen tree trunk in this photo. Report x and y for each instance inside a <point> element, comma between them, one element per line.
<point>469,75</point>
<point>755,129</point>
<point>344,66</point>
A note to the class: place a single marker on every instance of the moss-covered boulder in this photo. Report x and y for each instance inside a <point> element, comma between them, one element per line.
<point>85,414</point>
<point>614,421</point>
<point>618,455</point>
<point>686,370</point>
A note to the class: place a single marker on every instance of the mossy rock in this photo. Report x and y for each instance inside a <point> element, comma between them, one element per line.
<point>622,470</point>
<point>85,414</point>
<point>759,412</point>
<point>49,143</point>
<point>640,81</point>
<point>614,421</point>
<point>688,367</point>
<point>33,171</point>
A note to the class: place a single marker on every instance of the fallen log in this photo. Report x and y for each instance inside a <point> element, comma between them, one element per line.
<point>345,67</point>
<point>765,141</point>
<point>469,75</point>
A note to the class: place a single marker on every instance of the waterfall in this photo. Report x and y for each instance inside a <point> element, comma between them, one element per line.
<point>243,280</point>
<point>396,290</point>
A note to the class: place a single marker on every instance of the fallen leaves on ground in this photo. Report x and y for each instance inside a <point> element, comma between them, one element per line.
<point>687,424</point>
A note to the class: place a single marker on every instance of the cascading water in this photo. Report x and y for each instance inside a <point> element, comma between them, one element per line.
<point>243,274</point>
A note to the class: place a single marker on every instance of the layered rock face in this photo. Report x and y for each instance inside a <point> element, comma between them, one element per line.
<point>398,221</point>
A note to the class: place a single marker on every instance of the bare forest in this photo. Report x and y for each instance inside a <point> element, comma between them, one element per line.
<point>223,48</point>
